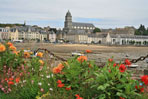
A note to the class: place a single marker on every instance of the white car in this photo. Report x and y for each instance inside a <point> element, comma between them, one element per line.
<point>77,54</point>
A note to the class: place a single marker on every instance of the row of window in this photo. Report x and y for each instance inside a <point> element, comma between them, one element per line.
<point>3,30</point>
<point>77,27</point>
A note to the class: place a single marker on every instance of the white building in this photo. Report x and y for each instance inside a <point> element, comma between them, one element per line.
<point>4,33</point>
<point>51,36</point>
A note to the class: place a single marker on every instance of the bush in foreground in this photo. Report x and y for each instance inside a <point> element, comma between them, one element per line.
<point>26,77</point>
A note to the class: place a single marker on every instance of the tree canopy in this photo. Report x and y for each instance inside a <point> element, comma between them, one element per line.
<point>141,30</point>
<point>10,25</point>
<point>96,30</point>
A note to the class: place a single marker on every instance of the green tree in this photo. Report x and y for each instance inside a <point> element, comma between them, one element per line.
<point>141,30</point>
<point>96,30</point>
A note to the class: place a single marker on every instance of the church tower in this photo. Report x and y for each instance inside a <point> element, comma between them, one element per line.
<point>68,21</point>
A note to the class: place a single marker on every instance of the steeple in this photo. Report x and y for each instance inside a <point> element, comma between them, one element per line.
<point>68,14</point>
<point>68,20</point>
<point>24,23</point>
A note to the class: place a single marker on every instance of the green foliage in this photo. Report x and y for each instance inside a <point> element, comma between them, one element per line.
<point>82,77</point>
<point>76,75</point>
<point>141,30</point>
<point>10,59</point>
<point>96,30</point>
<point>10,25</point>
<point>110,83</point>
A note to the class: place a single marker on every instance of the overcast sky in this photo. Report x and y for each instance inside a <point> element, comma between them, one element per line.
<point>102,13</point>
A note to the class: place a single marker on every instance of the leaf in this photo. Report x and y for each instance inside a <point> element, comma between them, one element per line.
<point>121,94</point>
<point>101,87</point>
<point>102,96</point>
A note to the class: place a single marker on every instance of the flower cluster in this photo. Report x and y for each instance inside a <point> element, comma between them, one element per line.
<point>78,97</point>
<point>9,78</point>
<point>58,69</point>
<point>139,88</point>
<point>122,68</point>
<point>82,58</point>
<point>60,84</point>
<point>2,48</point>
<point>40,54</point>
<point>144,79</point>
<point>88,51</point>
<point>26,54</point>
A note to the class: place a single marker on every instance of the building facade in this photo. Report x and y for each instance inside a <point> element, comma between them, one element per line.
<point>4,33</point>
<point>70,26</point>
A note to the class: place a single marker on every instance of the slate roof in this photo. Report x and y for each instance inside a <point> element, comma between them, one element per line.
<point>68,13</point>
<point>82,24</point>
<point>77,32</point>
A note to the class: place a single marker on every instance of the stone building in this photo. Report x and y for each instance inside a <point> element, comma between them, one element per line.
<point>13,34</point>
<point>4,33</point>
<point>70,26</point>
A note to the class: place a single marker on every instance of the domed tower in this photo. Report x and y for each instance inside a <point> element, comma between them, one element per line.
<point>68,21</point>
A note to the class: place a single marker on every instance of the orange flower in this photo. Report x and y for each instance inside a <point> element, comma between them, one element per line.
<point>2,48</point>
<point>41,62</point>
<point>40,54</point>
<point>17,80</point>
<point>60,66</point>
<point>9,44</point>
<point>88,51</point>
<point>56,70</point>
<point>12,48</point>
<point>82,58</point>
<point>15,52</point>
<point>26,55</point>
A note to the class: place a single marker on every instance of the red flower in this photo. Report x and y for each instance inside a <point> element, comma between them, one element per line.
<point>114,65</point>
<point>139,88</point>
<point>122,98</point>
<point>110,60</point>
<point>60,85</point>
<point>68,88</point>
<point>17,80</point>
<point>89,65</point>
<point>59,82</point>
<point>122,68</point>
<point>10,83</point>
<point>127,62</point>
<point>109,70</point>
<point>6,79</point>
<point>144,79</point>
<point>78,97</point>
<point>10,79</point>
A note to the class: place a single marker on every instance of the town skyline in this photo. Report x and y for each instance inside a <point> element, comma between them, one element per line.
<point>102,13</point>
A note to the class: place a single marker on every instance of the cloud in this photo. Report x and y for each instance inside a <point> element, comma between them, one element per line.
<point>102,13</point>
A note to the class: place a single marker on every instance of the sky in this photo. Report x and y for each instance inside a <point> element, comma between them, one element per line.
<point>102,13</point>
